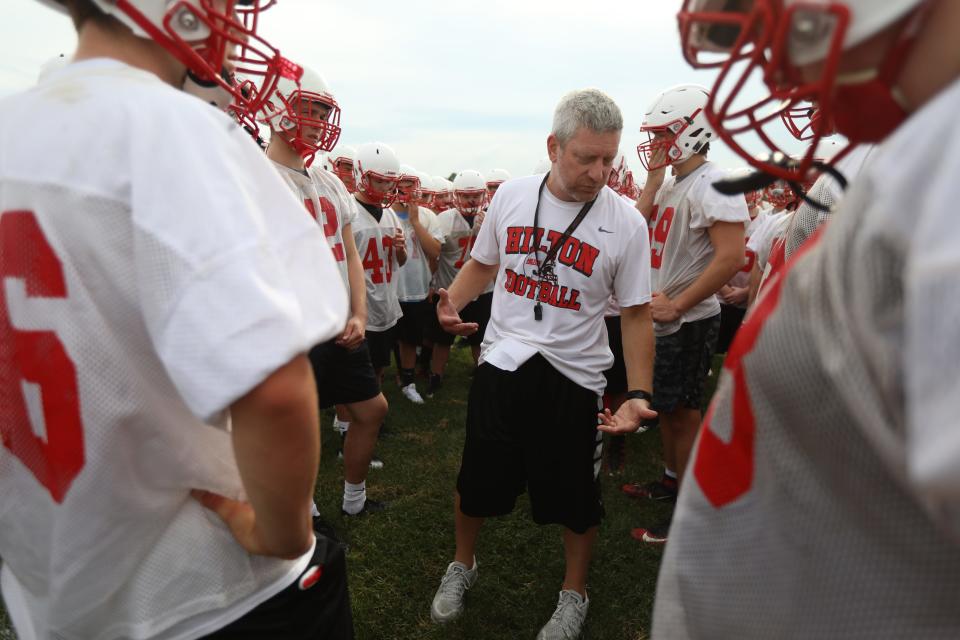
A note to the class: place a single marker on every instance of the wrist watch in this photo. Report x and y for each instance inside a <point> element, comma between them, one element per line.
<point>639,394</point>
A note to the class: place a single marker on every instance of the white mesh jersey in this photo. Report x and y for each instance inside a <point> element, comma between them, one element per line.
<point>823,497</point>
<point>154,270</point>
<point>413,279</point>
<point>608,254</point>
<point>458,237</point>
<point>680,247</point>
<point>381,269</point>
<point>329,203</point>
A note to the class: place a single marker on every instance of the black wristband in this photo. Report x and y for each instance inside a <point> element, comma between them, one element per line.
<point>639,394</point>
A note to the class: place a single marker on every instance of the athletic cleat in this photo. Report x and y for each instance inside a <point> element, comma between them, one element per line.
<point>616,457</point>
<point>410,393</point>
<point>369,506</point>
<point>448,601</point>
<point>654,490</point>
<point>566,623</point>
<point>435,383</point>
<point>657,534</point>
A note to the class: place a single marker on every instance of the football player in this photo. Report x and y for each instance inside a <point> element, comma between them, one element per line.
<point>830,451</point>
<point>456,226</point>
<point>697,246</point>
<point>158,413</point>
<point>341,159</point>
<point>413,286</point>
<point>304,120</point>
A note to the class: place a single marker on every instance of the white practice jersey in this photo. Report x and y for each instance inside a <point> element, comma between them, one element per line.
<point>823,497</point>
<point>608,254</point>
<point>155,269</point>
<point>742,278</point>
<point>458,237</point>
<point>380,266</point>
<point>413,282</point>
<point>762,236</point>
<point>329,203</point>
<point>680,247</point>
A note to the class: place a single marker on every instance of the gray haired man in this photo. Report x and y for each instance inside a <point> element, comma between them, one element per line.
<point>559,246</point>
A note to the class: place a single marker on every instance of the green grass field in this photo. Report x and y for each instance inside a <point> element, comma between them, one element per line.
<point>396,558</point>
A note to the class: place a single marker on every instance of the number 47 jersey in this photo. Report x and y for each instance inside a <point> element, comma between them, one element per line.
<point>377,252</point>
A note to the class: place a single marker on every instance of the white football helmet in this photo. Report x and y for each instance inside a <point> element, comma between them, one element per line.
<point>408,189</point>
<point>376,172</point>
<point>444,198</point>
<point>543,166</point>
<point>617,172</point>
<point>342,160</point>
<point>51,65</point>
<point>470,192</point>
<point>427,190</point>
<point>304,114</point>
<point>496,177</point>
<point>676,125</point>
<point>203,35</point>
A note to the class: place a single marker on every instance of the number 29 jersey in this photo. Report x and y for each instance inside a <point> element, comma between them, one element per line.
<point>680,248</point>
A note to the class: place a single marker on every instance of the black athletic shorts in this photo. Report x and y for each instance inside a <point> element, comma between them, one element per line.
<point>531,429</point>
<point>343,376</point>
<point>315,607</point>
<point>682,363</point>
<point>410,326</point>
<point>381,346</point>
<point>477,311</point>
<point>731,318</point>
<point>616,375</point>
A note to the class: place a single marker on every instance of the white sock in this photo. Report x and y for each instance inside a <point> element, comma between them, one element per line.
<point>315,512</point>
<point>354,496</point>
<point>670,473</point>
<point>340,426</point>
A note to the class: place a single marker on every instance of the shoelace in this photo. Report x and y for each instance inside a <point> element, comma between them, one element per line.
<point>567,615</point>
<point>455,582</point>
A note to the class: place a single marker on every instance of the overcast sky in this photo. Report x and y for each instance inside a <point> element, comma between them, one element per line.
<point>449,85</point>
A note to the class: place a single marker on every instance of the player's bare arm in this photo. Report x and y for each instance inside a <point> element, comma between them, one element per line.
<point>276,441</point>
<point>638,351</point>
<point>728,258</point>
<point>468,284</point>
<point>355,330</point>
<point>654,182</point>
<point>430,245</point>
<point>400,242</point>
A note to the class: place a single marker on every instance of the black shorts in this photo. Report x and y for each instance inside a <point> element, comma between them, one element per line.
<point>731,318</point>
<point>410,326</point>
<point>316,606</point>
<point>343,376</point>
<point>616,375</point>
<point>531,429</point>
<point>682,363</point>
<point>381,346</point>
<point>477,311</point>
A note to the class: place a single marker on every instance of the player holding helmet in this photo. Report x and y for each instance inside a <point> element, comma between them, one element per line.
<point>822,498</point>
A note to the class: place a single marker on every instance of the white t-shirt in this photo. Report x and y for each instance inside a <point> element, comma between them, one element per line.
<point>329,203</point>
<point>380,266</point>
<point>608,254</point>
<point>161,269</point>
<point>680,247</point>
<point>413,282</point>
<point>823,498</point>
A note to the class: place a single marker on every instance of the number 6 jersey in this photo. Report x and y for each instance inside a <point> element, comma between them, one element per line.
<point>154,270</point>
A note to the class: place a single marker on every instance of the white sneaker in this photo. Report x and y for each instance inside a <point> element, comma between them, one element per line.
<point>566,623</point>
<point>448,601</point>
<point>410,393</point>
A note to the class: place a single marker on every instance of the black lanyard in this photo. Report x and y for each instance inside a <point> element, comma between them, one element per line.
<point>545,269</point>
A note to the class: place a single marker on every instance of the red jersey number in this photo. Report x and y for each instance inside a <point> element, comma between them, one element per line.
<point>724,470</point>
<point>380,271</point>
<point>466,244</point>
<point>35,363</point>
<point>330,225</point>
<point>658,235</point>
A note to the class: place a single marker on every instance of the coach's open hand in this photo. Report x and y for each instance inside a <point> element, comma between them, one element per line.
<point>450,319</point>
<point>628,417</point>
